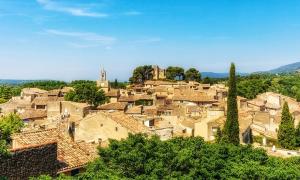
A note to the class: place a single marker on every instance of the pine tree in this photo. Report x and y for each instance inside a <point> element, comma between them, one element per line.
<point>286,133</point>
<point>231,128</point>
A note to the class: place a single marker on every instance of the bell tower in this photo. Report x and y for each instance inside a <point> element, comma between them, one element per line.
<point>102,74</point>
<point>103,82</point>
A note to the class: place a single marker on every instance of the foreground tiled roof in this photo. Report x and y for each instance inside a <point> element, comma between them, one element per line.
<point>70,154</point>
<point>128,122</point>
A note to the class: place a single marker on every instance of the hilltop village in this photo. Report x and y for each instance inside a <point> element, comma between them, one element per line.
<point>68,133</point>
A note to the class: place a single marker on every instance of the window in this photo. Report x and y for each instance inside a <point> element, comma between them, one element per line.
<point>101,125</point>
<point>116,128</point>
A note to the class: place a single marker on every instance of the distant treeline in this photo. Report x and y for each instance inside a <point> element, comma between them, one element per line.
<point>247,86</point>
<point>252,85</point>
<point>7,91</point>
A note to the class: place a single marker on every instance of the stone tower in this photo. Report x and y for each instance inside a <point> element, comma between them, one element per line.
<point>158,73</point>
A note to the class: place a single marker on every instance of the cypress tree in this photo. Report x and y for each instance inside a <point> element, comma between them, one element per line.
<point>286,133</point>
<point>218,135</point>
<point>231,128</point>
<point>298,136</point>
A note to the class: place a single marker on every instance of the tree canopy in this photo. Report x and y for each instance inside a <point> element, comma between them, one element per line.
<point>7,92</point>
<point>192,74</point>
<point>252,85</point>
<point>140,157</point>
<point>141,74</point>
<point>175,73</point>
<point>231,127</point>
<point>86,93</point>
<point>9,124</point>
<point>79,82</point>
<point>286,132</point>
<point>46,85</point>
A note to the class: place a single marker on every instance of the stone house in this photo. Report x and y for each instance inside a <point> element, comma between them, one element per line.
<point>72,156</point>
<point>30,161</point>
<point>102,126</point>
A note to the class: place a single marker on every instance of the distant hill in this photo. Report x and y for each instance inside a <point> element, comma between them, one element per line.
<point>14,81</point>
<point>290,68</point>
<point>218,75</point>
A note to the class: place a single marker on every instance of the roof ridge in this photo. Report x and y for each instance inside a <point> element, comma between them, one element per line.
<point>36,131</point>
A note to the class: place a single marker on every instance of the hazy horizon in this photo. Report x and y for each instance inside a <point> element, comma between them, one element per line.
<point>68,40</point>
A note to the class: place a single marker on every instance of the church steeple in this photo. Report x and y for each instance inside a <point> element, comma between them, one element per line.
<point>102,74</point>
<point>103,82</point>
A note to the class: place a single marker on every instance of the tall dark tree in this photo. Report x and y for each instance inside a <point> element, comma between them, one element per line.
<point>116,83</point>
<point>141,74</point>
<point>175,73</point>
<point>192,74</point>
<point>286,132</point>
<point>298,135</point>
<point>218,135</point>
<point>231,128</point>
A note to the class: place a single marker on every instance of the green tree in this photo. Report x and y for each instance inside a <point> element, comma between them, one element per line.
<point>46,85</point>
<point>298,135</point>
<point>9,124</point>
<point>231,128</point>
<point>192,74</point>
<point>3,149</point>
<point>175,73</point>
<point>116,83</point>
<point>141,74</point>
<point>286,132</point>
<point>79,82</point>
<point>218,135</point>
<point>87,93</point>
<point>141,157</point>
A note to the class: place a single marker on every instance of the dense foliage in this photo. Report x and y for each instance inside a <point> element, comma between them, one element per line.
<point>254,84</point>
<point>46,85</point>
<point>231,128</point>
<point>141,74</point>
<point>297,133</point>
<point>138,157</point>
<point>9,124</point>
<point>7,92</point>
<point>192,74</point>
<point>286,132</point>
<point>86,93</point>
<point>79,82</point>
<point>118,85</point>
<point>175,73</point>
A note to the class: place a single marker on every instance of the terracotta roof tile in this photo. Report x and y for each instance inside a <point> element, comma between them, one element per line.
<point>128,122</point>
<point>33,113</point>
<point>114,106</point>
<point>70,153</point>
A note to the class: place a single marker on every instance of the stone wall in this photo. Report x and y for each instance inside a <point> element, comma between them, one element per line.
<point>30,162</point>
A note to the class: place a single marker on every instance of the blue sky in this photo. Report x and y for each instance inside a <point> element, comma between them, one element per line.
<point>71,39</point>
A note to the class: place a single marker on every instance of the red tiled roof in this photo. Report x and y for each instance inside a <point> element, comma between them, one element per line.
<point>70,153</point>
